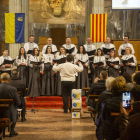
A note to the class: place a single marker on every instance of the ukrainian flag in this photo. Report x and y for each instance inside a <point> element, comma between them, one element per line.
<point>14,27</point>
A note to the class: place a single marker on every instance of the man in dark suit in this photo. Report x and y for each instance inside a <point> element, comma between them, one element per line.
<point>16,82</point>
<point>9,92</point>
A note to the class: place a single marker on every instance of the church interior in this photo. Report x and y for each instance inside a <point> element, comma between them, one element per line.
<point>59,21</point>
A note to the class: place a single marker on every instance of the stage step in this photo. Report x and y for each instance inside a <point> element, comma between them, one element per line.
<point>48,102</point>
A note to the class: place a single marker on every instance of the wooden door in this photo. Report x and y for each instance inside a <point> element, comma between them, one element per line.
<point>58,37</point>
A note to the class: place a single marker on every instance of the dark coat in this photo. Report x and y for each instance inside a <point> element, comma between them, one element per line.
<point>19,84</point>
<point>136,108</point>
<point>97,88</point>
<point>129,127</point>
<point>9,92</point>
<point>111,105</point>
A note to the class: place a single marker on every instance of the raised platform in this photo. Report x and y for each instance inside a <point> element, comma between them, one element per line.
<point>48,102</point>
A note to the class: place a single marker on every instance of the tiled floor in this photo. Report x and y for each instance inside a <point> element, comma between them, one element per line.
<point>54,125</point>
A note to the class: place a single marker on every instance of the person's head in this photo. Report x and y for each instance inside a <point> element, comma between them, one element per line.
<point>81,50</point>
<point>69,58</point>
<point>128,50</point>
<point>89,40</point>
<point>136,93</point>
<point>137,78</point>
<point>126,39</point>
<point>31,38</point>
<point>22,52</point>
<point>127,77</point>
<point>99,52</point>
<point>103,75</point>
<point>48,50</point>
<point>113,54</point>
<point>118,86</point>
<point>68,40</point>
<point>49,41</point>
<point>133,77</point>
<point>35,52</point>
<point>108,40</point>
<point>62,50</point>
<point>14,73</point>
<point>5,52</point>
<point>5,77</point>
<point>108,82</point>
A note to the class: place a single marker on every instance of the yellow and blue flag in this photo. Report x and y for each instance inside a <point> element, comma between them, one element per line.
<point>14,27</point>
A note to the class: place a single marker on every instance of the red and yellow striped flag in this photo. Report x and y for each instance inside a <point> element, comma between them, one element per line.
<point>98,25</point>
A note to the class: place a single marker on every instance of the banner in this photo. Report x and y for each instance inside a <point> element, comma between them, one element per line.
<point>98,27</point>
<point>14,27</point>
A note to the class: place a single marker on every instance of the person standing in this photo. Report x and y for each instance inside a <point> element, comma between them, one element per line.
<point>69,46</point>
<point>7,67</point>
<point>49,43</point>
<point>21,62</point>
<point>48,73</point>
<point>122,48</point>
<point>68,72</point>
<point>107,45</point>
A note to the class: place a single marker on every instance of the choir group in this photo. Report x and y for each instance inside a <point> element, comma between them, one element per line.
<point>30,66</point>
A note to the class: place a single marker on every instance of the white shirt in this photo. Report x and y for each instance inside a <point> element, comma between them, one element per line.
<point>70,47</point>
<point>2,58</point>
<point>123,47</point>
<point>60,56</point>
<point>54,48</point>
<point>107,46</point>
<point>22,60</point>
<point>128,56</point>
<point>30,46</point>
<point>89,48</point>
<point>34,58</point>
<point>99,59</point>
<point>82,57</point>
<point>68,71</point>
<point>115,59</point>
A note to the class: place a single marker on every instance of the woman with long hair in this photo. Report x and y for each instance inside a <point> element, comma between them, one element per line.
<point>61,54</point>
<point>113,64</point>
<point>128,67</point>
<point>48,73</point>
<point>99,63</point>
<point>21,62</point>
<point>34,88</point>
<point>82,79</point>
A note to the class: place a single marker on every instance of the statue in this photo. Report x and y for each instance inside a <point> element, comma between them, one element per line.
<point>57,6</point>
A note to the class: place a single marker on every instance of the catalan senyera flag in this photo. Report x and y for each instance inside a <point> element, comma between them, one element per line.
<point>98,25</point>
<point>14,27</point>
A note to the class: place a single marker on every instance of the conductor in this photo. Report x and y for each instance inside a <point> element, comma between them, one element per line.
<point>67,72</point>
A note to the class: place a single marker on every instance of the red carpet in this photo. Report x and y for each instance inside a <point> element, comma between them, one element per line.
<point>48,102</point>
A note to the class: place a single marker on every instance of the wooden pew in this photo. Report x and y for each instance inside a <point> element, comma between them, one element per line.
<point>86,89</point>
<point>6,101</point>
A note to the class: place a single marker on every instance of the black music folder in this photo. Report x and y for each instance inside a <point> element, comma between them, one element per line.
<point>82,61</point>
<point>130,60</point>
<point>54,52</point>
<point>122,52</point>
<point>36,63</point>
<point>115,63</point>
<point>105,50</point>
<point>59,61</point>
<point>70,51</point>
<point>91,52</point>
<point>8,61</point>
<point>99,63</point>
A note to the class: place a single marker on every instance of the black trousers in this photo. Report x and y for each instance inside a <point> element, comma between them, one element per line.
<point>66,88</point>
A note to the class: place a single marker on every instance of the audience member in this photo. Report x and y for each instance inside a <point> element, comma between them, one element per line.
<point>113,105</point>
<point>9,92</point>
<point>16,82</point>
<point>137,78</point>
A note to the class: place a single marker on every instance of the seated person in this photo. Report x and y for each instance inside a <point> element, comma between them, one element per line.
<point>128,79</point>
<point>113,105</point>
<point>137,78</point>
<point>128,122</point>
<point>16,82</point>
<point>9,92</point>
<point>99,84</point>
<point>104,95</point>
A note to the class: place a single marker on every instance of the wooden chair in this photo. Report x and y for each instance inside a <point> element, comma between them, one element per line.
<point>86,89</point>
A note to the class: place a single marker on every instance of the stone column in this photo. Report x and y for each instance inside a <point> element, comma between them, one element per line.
<point>14,7</point>
<point>98,8</point>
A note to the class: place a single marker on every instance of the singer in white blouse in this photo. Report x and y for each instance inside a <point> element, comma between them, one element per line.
<point>129,67</point>
<point>48,73</point>
<point>34,88</point>
<point>21,62</point>
<point>97,59</point>
<point>82,79</point>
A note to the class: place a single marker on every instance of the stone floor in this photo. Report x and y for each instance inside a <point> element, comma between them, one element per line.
<point>54,125</point>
